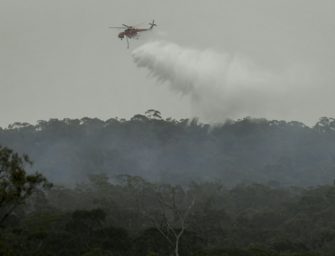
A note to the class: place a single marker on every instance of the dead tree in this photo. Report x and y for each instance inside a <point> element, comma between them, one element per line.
<point>174,205</point>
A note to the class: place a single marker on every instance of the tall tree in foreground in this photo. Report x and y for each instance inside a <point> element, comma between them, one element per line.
<point>15,184</point>
<point>171,216</point>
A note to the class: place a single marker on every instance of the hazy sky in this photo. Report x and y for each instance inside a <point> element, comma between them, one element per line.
<point>59,59</point>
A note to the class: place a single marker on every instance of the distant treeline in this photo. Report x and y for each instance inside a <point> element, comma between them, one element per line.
<point>179,151</point>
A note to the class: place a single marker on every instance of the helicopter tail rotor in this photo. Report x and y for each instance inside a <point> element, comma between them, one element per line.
<point>152,24</point>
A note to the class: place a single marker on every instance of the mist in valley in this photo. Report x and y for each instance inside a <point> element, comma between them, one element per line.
<point>179,151</point>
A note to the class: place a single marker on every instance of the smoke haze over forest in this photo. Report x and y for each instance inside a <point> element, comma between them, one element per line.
<point>179,151</point>
<point>223,61</point>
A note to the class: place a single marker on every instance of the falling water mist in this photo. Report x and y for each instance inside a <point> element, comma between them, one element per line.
<point>223,85</point>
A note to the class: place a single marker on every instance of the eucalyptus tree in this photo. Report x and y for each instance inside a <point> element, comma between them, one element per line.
<point>16,185</point>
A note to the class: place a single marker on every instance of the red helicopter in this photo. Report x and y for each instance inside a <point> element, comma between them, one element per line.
<point>132,32</point>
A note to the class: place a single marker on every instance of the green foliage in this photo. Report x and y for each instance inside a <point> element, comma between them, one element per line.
<point>97,252</point>
<point>15,184</point>
<point>246,220</point>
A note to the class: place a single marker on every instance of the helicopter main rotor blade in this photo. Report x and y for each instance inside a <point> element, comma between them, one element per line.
<point>117,27</point>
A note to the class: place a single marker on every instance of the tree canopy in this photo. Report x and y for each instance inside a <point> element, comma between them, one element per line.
<point>16,185</point>
<point>179,151</point>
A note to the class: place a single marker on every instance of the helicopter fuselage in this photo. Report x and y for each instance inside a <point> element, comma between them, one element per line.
<point>130,32</point>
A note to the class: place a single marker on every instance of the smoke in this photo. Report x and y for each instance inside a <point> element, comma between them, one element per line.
<point>223,85</point>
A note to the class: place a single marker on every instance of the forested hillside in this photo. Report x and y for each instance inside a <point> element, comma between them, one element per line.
<point>132,217</point>
<point>179,151</point>
<point>149,186</point>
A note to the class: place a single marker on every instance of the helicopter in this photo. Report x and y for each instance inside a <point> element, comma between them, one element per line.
<point>133,32</point>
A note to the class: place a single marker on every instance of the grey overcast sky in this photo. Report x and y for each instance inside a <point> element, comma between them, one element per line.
<point>59,59</point>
